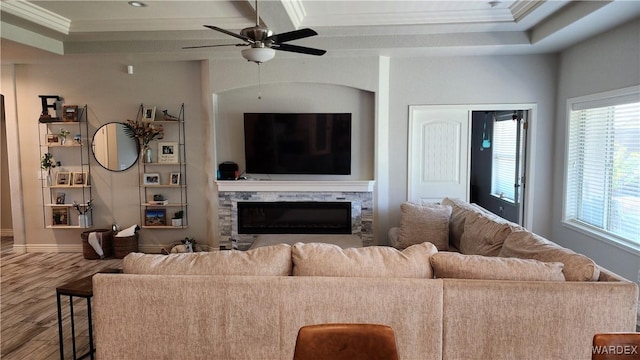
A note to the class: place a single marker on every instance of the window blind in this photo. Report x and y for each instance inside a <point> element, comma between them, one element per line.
<point>503,172</point>
<point>603,174</point>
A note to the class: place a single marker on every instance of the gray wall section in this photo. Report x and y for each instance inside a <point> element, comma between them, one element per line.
<point>606,62</point>
<point>6,227</point>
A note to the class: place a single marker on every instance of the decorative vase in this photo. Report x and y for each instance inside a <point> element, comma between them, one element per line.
<point>176,222</point>
<point>84,221</point>
<point>147,154</point>
<point>49,180</point>
<point>63,140</point>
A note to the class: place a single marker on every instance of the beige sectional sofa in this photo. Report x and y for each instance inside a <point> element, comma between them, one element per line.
<point>528,299</point>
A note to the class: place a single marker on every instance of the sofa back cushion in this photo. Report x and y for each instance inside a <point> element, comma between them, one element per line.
<point>527,245</point>
<point>484,234</point>
<point>424,223</point>
<point>459,266</point>
<point>272,260</point>
<point>316,259</point>
<point>459,212</point>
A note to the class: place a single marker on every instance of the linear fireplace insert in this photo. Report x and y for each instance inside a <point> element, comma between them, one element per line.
<point>294,217</point>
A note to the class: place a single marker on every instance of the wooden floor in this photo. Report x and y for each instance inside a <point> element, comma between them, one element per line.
<point>29,318</point>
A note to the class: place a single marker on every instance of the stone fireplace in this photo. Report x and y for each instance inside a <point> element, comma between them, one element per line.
<point>317,207</point>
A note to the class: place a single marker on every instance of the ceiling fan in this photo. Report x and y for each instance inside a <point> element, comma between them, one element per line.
<point>263,43</point>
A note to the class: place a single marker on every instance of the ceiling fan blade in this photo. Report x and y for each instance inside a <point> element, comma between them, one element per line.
<point>292,35</point>
<point>299,49</point>
<point>208,46</point>
<point>229,33</point>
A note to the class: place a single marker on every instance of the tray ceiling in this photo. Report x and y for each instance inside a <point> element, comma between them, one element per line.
<point>346,28</point>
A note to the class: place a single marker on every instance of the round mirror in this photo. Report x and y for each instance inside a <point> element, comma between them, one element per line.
<point>113,148</point>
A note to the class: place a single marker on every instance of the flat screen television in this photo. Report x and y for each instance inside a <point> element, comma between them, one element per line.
<point>297,143</point>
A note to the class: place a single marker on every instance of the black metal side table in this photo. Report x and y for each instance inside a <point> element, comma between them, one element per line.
<point>78,288</point>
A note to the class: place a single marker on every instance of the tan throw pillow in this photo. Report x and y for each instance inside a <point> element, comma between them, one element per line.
<point>483,235</point>
<point>317,259</point>
<point>459,266</point>
<point>428,223</point>
<point>527,245</point>
<point>272,260</point>
<point>459,212</point>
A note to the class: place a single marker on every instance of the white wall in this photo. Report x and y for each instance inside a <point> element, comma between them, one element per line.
<point>111,95</point>
<point>607,62</point>
<point>475,80</point>
<point>6,225</point>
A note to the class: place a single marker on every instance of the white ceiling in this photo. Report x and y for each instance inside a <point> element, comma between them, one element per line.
<point>36,31</point>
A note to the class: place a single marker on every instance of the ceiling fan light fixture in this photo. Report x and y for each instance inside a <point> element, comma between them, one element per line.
<point>258,54</point>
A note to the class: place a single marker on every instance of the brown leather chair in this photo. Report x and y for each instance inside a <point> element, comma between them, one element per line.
<point>345,342</point>
<point>616,346</point>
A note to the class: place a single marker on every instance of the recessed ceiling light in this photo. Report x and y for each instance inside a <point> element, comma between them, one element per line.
<point>137,4</point>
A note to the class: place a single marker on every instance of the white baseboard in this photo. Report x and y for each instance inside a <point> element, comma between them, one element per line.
<point>55,248</point>
<point>19,249</point>
<point>6,232</point>
<point>74,248</point>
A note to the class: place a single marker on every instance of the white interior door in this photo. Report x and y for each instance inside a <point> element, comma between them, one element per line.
<point>438,153</point>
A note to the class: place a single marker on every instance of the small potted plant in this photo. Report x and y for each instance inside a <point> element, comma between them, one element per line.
<point>177,218</point>
<point>47,162</point>
<point>63,135</point>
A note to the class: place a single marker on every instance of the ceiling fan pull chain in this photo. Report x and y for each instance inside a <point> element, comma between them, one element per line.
<point>259,83</point>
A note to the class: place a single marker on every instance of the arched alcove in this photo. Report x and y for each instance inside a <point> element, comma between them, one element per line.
<point>294,97</point>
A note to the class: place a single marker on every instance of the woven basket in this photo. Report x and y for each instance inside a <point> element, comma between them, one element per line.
<point>124,245</point>
<point>107,244</point>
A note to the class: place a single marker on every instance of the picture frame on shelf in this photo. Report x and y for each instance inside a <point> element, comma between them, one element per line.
<point>70,113</point>
<point>168,152</point>
<point>149,114</point>
<point>63,178</point>
<point>60,198</point>
<point>60,216</point>
<point>80,178</point>
<point>151,179</point>
<point>174,179</point>
<point>155,217</point>
<point>53,139</point>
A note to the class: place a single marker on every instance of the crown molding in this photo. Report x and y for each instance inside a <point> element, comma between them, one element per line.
<point>413,18</point>
<point>37,15</point>
<point>90,26</point>
<point>30,38</point>
<point>522,8</point>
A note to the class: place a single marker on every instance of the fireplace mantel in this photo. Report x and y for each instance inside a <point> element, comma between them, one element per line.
<point>293,185</point>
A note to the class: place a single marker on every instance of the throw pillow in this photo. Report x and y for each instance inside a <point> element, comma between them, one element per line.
<point>527,245</point>
<point>459,212</point>
<point>459,266</point>
<point>317,259</point>
<point>428,223</point>
<point>484,234</point>
<point>267,261</point>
